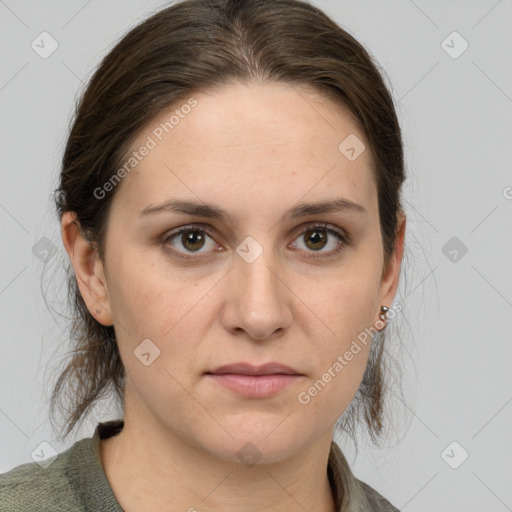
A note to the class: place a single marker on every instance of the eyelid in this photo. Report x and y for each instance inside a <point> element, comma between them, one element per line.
<point>343,236</point>
<point>330,228</point>
<point>168,235</point>
<point>344,239</point>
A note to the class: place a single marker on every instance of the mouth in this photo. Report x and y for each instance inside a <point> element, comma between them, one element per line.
<point>241,368</point>
<point>255,381</point>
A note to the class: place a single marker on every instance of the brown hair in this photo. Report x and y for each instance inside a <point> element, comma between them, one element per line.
<point>192,46</point>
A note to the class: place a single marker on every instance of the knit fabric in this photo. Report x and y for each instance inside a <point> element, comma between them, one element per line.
<point>76,482</point>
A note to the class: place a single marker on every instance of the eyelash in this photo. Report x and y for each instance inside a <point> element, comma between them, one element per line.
<point>343,238</point>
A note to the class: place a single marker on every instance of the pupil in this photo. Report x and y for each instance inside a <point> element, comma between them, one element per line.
<point>191,238</point>
<point>318,237</point>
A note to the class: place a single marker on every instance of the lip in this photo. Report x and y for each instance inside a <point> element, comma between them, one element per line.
<point>255,381</point>
<point>254,386</point>
<point>242,368</point>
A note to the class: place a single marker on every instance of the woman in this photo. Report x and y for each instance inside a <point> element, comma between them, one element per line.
<point>230,204</point>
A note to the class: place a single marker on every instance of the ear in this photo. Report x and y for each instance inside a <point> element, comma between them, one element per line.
<point>391,273</point>
<point>88,267</point>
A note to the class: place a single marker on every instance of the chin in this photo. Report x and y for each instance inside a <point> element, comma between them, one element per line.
<point>262,446</point>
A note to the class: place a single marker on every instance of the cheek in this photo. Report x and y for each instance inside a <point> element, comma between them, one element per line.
<point>344,306</point>
<point>341,364</point>
<point>330,393</point>
<point>164,309</point>
<point>144,301</point>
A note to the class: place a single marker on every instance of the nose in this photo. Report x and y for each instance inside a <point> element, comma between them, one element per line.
<point>259,301</point>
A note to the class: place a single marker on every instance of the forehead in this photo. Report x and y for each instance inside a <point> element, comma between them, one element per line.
<point>233,142</point>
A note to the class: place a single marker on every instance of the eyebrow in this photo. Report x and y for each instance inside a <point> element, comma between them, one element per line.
<point>215,212</point>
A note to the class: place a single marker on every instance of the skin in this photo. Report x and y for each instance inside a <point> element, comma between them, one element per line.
<point>255,150</point>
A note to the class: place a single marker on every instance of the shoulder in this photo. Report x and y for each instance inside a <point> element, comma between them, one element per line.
<point>376,501</point>
<point>34,487</point>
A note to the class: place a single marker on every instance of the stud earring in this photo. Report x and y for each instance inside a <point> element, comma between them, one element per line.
<point>383,312</point>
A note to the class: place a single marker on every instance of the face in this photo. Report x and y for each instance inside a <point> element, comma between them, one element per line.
<point>268,281</point>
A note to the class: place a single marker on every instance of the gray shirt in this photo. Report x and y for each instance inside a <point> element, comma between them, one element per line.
<point>76,482</point>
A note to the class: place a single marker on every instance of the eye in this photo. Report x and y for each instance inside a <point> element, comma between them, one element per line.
<point>190,238</point>
<point>316,237</point>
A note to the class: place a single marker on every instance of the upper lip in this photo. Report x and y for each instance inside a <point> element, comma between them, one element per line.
<point>249,369</point>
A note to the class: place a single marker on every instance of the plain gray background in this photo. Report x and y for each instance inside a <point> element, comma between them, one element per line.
<point>455,109</point>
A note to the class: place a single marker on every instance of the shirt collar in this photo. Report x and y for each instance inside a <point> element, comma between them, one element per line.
<point>86,474</point>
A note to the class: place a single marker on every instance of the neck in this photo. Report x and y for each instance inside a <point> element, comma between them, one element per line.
<point>162,471</point>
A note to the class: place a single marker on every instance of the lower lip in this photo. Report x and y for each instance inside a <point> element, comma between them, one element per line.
<point>254,386</point>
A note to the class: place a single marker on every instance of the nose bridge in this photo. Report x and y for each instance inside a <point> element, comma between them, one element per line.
<point>257,268</point>
<point>261,296</point>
